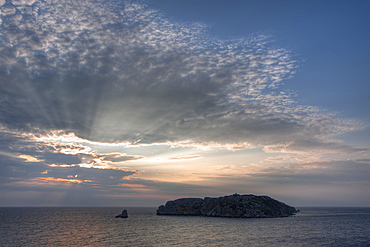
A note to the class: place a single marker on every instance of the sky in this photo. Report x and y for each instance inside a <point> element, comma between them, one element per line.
<point>134,103</point>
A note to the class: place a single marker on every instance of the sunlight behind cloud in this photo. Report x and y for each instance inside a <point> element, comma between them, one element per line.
<point>29,158</point>
<point>53,180</point>
<point>134,77</point>
<point>130,101</point>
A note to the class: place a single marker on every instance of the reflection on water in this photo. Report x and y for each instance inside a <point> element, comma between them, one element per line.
<point>99,227</point>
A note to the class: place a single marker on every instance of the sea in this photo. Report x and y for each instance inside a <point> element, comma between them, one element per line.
<point>68,226</point>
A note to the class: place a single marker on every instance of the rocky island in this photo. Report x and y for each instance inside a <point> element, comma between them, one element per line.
<point>233,206</point>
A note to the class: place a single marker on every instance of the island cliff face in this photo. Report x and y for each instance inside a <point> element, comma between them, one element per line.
<point>233,206</point>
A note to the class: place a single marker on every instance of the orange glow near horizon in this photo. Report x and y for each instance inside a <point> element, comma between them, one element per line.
<point>136,187</point>
<point>52,179</point>
<point>133,185</point>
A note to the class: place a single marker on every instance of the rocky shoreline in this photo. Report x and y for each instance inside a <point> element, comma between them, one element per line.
<point>233,206</point>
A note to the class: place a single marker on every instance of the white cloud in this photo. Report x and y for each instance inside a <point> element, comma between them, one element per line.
<point>79,77</point>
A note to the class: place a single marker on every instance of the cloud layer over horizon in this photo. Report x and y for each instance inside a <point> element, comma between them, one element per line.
<point>77,77</point>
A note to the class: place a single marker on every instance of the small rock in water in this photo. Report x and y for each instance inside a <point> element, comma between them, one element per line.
<point>123,214</point>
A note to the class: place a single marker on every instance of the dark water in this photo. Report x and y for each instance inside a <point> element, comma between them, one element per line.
<point>98,227</point>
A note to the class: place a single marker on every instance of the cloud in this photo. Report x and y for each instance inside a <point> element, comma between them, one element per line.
<point>313,145</point>
<point>121,72</point>
<point>25,161</point>
<point>29,158</point>
<point>326,183</point>
<point>188,157</point>
<point>53,180</point>
<point>79,79</point>
<point>117,157</point>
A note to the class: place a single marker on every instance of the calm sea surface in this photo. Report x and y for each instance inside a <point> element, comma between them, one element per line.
<point>99,227</point>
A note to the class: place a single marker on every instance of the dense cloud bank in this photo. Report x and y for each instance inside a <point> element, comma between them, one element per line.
<point>116,71</point>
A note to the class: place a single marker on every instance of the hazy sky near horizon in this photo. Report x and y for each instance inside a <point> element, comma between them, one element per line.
<point>133,103</point>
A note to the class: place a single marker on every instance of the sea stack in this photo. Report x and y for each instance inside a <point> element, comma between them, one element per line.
<point>123,214</point>
<point>233,206</point>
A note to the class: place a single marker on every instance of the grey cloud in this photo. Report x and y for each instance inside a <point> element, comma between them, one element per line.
<point>97,176</point>
<point>108,194</point>
<point>364,161</point>
<point>116,71</point>
<point>14,144</point>
<point>14,169</point>
<point>13,172</point>
<point>342,182</point>
<point>343,173</point>
<point>173,188</point>
<point>117,157</point>
<point>111,159</point>
<point>58,158</point>
<point>313,144</point>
